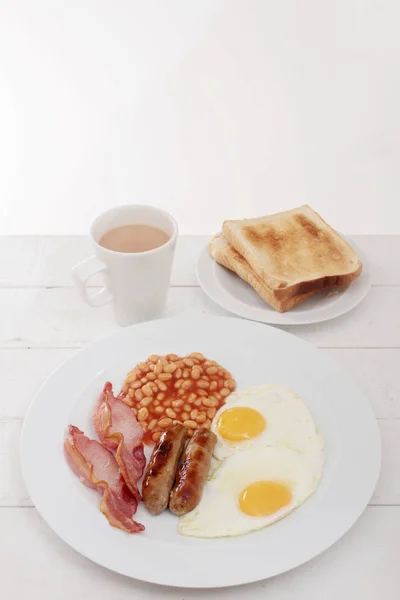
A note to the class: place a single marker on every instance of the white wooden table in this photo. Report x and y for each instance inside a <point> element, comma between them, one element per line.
<point>43,322</point>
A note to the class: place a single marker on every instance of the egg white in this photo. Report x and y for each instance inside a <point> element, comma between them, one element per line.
<point>289,422</point>
<point>218,514</point>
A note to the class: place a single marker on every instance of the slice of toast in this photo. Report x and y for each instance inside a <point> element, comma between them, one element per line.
<point>294,252</point>
<point>224,254</point>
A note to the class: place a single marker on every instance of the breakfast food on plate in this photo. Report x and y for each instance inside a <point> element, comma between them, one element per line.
<point>97,468</point>
<point>168,389</point>
<point>118,429</point>
<point>265,415</point>
<point>247,462</point>
<point>286,257</point>
<point>160,473</point>
<point>225,254</point>
<point>192,473</point>
<point>252,489</point>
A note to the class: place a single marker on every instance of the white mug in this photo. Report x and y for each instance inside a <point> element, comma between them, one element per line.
<point>136,283</point>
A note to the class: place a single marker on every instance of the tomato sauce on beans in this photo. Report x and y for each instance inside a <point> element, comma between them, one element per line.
<point>171,389</point>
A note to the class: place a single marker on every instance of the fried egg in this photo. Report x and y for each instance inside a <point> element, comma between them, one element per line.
<point>267,415</point>
<point>252,489</point>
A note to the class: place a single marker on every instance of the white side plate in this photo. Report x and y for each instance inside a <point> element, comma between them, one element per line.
<point>255,354</point>
<point>227,290</point>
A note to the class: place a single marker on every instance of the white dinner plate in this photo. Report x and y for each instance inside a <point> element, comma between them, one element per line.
<point>255,354</point>
<point>227,290</point>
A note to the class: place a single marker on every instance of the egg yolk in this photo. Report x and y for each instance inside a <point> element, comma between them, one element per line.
<point>263,498</point>
<point>241,423</point>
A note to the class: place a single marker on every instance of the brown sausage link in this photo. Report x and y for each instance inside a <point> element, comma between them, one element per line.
<point>160,473</point>
<point>192,472</point>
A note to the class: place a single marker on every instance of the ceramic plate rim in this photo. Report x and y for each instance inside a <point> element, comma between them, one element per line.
<point>31,454</point>
<point>206,267</point>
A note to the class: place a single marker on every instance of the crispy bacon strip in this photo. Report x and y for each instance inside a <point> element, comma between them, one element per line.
<point>97,468</point>
<point>116,425</point>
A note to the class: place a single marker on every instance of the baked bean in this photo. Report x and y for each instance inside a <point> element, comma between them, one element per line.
<point>230,384</point>
<point>134,411</point>
<point>156,403</point>
<point>197,355</point>
<point>196,373</point>
<point>225,392</point>
<point>167,402</point>
<point>152,424</point>
<point>190,433</point>
<point>170,413</point>
<point>208,363</point>
<point>139,395</point>
<point>143,425</point>
<point>194,413</point>
<point>178,373</point>
<point>136,385</point>
<point>131,393</point>
<point>159,410</point>
<point>213,385</point>
<point>217,395</point>
<point>153,358</point>
<point>151,376</point>
<point>188,362</point>
<point>143,414</point>
<point>209,402</point>
<point>172,357</point>
<point>178,383</point>
<point>211,413</point>
<point>202,393</point>
<point>177,403</point>
<point>191,398</point>
<point>184,416</point>
<point>207,423</point>
<point>143,380</point>
<point>202,383</point>
<point>171,368</point>
<point>211,370</point>
<point>181,392</point>
<point>146,401</point>
<point>156,436</point>
<point>158,368</point>
<point>144,367</point>
<point>190,424</point>
<point>132,376</point>
<point>129,401</point>
<point>201,418</point>
<point>186,384</point>
<point>147,391</point>
<point>165,423</point>
<point>165,376</point>
<point>185,373</point>
<point>161,385</point>
<point>160,396</point>
<point>197,402</point>
<point>187,407</point>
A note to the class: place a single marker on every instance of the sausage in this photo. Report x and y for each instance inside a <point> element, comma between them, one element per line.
<point>160,472</point>
<point>192,472</point>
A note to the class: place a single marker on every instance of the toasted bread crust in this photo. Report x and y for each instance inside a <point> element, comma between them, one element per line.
<point>294,252</point>
<point>224,254</point>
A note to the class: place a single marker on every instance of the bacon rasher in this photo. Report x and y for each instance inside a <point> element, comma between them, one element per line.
<point>117,428</point>
<point>97,468</point>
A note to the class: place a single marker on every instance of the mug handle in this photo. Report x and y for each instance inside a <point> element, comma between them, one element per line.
<point>84,271</point>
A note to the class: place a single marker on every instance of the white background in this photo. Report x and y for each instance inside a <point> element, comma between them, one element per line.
<point>213,109</point>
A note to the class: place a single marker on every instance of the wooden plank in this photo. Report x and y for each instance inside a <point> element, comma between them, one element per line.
<point>57,317</point>
<point>47,261</point>
<point>23,371</point>
<point>21,374</point>
<point>13,491</point>
<point>36,564</point>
